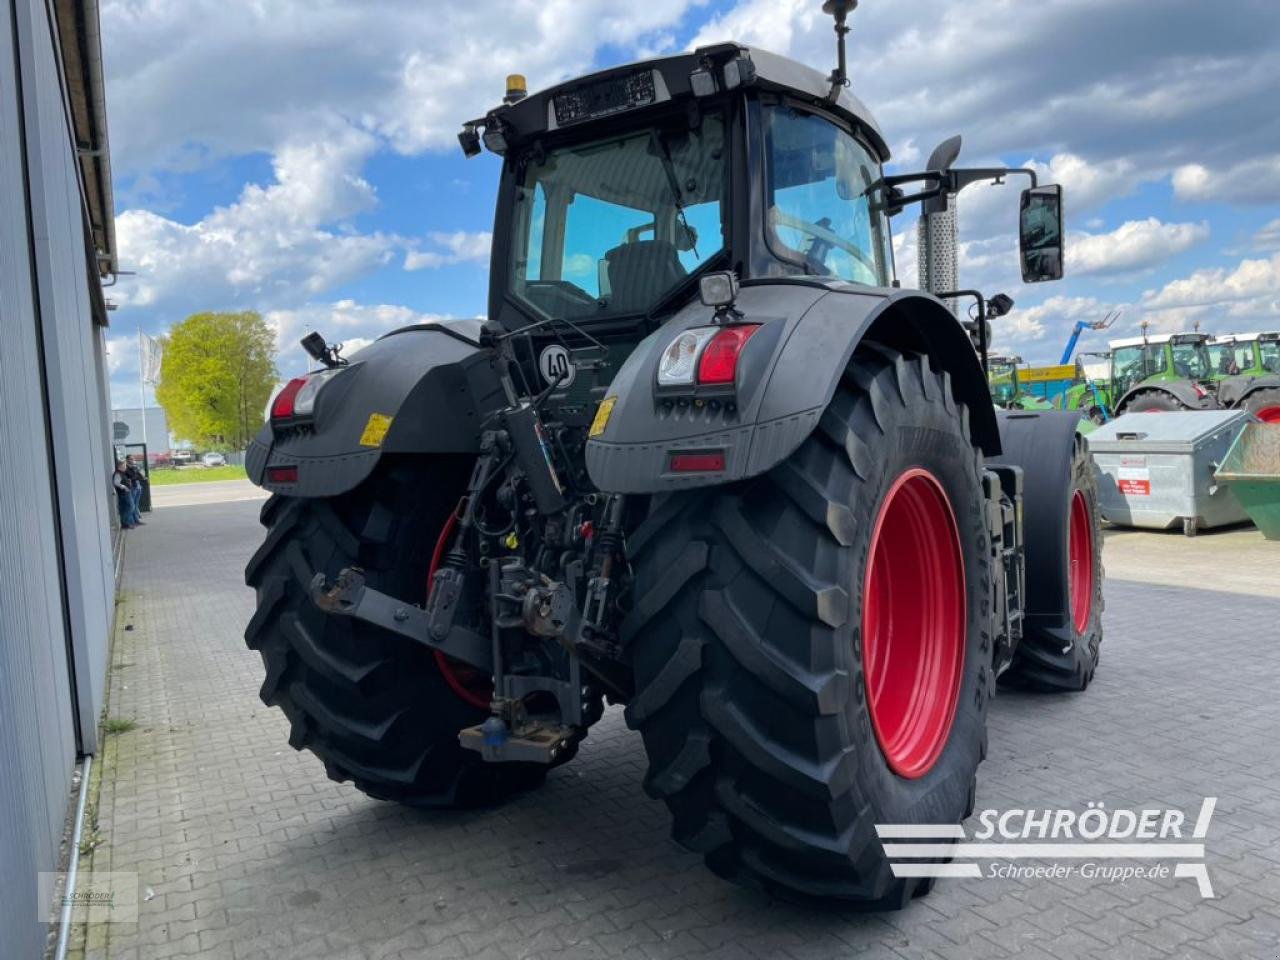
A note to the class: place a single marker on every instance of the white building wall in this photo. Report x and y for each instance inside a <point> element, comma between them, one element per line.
<point>56,578</point>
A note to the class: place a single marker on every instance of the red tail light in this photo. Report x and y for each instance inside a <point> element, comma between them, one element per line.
<point>712,462</point>
<point>719,360</point>
<point>282,474</point>
<point>282,406</point>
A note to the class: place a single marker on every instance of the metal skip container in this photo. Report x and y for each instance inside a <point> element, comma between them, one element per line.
<point>1156,470</point>
<point>1252,469</point>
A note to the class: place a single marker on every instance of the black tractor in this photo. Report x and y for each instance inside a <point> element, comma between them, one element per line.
<point>705,459</point>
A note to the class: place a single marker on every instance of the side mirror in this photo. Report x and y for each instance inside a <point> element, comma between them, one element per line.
<point>1040,233</point>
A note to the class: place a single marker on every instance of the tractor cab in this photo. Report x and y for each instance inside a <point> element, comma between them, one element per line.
<point>620,189</point>
<point>1245,355</point>
<point>1160,358</point>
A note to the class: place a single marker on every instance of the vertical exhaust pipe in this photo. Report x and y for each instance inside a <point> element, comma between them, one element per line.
<point>936,250</point>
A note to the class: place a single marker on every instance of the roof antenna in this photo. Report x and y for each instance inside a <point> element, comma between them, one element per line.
<point>840,9</point>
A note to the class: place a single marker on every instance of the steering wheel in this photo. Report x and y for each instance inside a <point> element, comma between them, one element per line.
<point>829,237</point>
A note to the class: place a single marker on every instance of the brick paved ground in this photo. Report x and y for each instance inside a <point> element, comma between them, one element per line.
<point>248,851</point>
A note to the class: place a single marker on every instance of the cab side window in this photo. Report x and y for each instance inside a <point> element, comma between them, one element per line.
<point>825,199</point>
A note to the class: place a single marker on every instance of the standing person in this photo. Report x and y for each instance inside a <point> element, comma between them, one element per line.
<point>136,480</point>
<point>124,495</point>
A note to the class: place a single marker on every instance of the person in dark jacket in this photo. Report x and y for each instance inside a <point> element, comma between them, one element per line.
<point>124,495</point>
<point>136,479</point>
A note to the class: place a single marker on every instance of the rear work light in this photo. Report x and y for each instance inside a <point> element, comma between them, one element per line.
<point>704,355</point>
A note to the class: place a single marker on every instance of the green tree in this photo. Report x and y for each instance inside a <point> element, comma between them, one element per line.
<point>216,376</point>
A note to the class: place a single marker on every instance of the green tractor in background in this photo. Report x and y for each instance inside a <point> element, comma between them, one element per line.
<point>1006,389</point>
<point>1091,393</point>
<point>1166,372</point>
<point>1246,367</point>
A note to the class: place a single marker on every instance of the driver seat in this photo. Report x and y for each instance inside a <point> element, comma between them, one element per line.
<point>640,271</point>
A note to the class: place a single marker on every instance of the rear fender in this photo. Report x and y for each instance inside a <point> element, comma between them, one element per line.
<point>1043,443</point>
<point>787,374</point>
<point>1244,387</point>
<point>416,390</point>
<point>1181,390</point>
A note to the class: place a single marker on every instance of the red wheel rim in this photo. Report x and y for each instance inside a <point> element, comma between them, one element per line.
<point>463,679</point>
<point>914,621</point>
<point>1268,414</point>
<point>1080,556</point>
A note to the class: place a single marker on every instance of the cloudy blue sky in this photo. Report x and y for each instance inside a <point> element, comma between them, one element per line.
<point>298,157</point>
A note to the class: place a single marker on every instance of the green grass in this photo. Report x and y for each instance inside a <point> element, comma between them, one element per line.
<point>118,724</point>
<point>167,477</point>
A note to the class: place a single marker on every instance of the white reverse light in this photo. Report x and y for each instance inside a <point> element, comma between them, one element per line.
<point>679,361</point>
<point>305,402</point>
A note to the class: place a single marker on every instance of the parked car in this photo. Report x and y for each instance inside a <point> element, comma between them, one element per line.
<point>183,457</point>
<point>212,459</point>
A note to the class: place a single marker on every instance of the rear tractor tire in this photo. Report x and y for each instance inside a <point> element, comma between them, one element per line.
<point>1154,401</point>
<point>811,647</point>
<point>1264,404</point>
<point>1060,657</point>
<point>376,708</point>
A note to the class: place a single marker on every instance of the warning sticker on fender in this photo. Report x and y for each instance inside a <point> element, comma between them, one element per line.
<point>1134,481</point>
<point>375,431</point>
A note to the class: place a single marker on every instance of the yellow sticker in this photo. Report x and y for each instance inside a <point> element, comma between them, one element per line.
<point>375,431</point>
<point>603,412</point>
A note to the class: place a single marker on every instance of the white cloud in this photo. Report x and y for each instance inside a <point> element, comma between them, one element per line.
<point>1133,246</point>
<point>1246,296</point>
<point>772,24</point>
<point>1254,181</point>
<point>275,243</point>
<point>190,79</point>
<point>1268,238</point>
<point>1087,185</point>
<point>1101,79</point>
<point>352,324</point>
<point>1250,280</point>
<point>122,356</point>
<point>457,247</point>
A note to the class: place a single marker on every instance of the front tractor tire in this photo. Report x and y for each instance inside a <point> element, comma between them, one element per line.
<point>811,647</point>
<point>1061,654</point>
<point>376,708</point>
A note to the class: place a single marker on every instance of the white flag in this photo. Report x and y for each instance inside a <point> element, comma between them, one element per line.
<point>152,353</point>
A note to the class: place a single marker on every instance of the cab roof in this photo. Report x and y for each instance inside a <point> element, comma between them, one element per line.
<point>1159,338</point>
<point>1238,337</point>
<point>645,84</point>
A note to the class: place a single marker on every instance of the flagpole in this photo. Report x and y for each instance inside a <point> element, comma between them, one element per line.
<point>142,391</point>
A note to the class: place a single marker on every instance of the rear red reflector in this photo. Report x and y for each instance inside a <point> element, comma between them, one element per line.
<point>719,361</point>
<point>282,474</point>
<point>282,406</point>
<point>697,462</point>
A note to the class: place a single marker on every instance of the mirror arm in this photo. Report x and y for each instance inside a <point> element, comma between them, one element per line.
<point>946,183</point>
<point>959,179</point>
<point>897,200</point>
